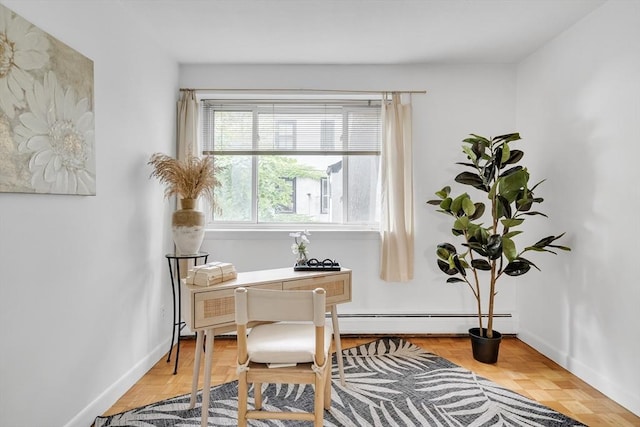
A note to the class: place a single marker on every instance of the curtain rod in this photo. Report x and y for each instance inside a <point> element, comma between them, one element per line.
<point>303,90</point>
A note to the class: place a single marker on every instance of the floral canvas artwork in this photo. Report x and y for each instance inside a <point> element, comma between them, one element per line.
<point>46,112</point>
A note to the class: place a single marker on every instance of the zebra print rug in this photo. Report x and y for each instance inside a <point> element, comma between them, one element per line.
<point>390,382</point>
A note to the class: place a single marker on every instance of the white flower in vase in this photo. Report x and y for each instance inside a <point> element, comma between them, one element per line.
<point>299,247</point>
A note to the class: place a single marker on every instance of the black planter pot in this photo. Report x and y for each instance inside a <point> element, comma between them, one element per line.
<point>485,349</point>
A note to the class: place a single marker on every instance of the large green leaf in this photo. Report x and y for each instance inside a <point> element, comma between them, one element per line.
<point>477,138</point>
<point>504,207</point>
<point>456,205</point>
<point>506,153</point>
<point>516,268</point>
<point>514,181</point>
<point>509,186</point>
<point>546,241</point>
<point>542,245</point>
<point>443,254</point>
<point>481,235</point>
<point>511,234</point>
<point>509,248</point>
<point>461,223</point>
<point>494,246</point>
<point>536,186</point>
<point>454,280</point>
<point>511,171</point>
<point>507,137</point>
<point>471,165</point>
<point>514,157</point>
<point>470,178</point>
<point>434,202</point>
<point>497,155</point>
<point>564,248</point>
<point>511,222</point>
<point>535,213</point>
<point>468,207</point>
<point>478,248</point>
<point>479,211</point>
<point>488,171</point>
<point>458,265</point>
<point>479,148</point>
<point>481,264</point>
<point>444,250</point>
<point>472,228</point>
<point>446,204</point>
<point>523,201</point>
<point>528,262</point>
<point>444,192</point>
<point>469,152</point>
<point>445,268</point>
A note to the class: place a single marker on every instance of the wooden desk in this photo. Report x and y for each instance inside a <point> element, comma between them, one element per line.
<point>211,310</point>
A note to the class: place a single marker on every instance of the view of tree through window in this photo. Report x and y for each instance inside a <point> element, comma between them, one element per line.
<point>288,162</point>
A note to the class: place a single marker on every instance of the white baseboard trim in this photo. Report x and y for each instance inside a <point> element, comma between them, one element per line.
<point>419,324</point>
<point>627,398</point>
<point>104,401</point>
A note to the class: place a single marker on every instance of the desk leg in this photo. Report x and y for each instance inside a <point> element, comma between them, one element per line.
<point>208,361</point>
<point>196,369</point>
<point>338,344</point>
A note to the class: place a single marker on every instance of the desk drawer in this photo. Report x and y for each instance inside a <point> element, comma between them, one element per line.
<point>338,286</point>
<point>217,307</point>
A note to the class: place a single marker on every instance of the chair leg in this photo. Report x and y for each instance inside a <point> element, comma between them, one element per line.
<point>327,388</point>
<point>257,395</point>
<point>318,408</point>
<point>242,399</point>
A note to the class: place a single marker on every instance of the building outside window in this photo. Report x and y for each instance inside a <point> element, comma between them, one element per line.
<point>285,134</point>
<point>324,195</point>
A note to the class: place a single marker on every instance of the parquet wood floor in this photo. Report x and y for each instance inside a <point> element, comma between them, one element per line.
<point>519,368</point>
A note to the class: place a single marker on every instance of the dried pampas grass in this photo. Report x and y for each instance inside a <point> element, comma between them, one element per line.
<point>189,179</point>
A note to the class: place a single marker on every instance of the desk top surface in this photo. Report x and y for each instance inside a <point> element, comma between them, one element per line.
<point>265,276</point>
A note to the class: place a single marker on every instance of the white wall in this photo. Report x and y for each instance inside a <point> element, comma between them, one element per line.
<point>82,279</point>
<point>460,100</point>
<point>579,106</point>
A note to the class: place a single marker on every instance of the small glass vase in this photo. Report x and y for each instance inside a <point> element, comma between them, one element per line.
<point>302,258</point>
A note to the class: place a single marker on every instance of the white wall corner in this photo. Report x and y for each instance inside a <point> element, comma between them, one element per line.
<point>114,392</point>
<point>630,399</point>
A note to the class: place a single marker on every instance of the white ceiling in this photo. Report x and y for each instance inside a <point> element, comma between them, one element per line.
<point>354,31</point>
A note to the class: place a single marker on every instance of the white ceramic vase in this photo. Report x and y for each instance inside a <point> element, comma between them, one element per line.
<point>187,225</point>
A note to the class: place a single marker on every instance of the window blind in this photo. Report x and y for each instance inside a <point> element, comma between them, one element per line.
<point>285,127</point>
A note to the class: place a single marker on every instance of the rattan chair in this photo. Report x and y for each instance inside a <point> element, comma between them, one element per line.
<point>296,347</point>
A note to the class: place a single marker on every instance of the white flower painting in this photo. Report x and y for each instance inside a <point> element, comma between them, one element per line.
<point>46,112</point>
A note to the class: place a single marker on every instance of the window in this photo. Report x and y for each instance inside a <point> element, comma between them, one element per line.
<point>324,195</point>
<point>313,161</point>
<point>285,135</point>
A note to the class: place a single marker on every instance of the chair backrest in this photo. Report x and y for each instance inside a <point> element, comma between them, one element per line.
<point>268,305</point>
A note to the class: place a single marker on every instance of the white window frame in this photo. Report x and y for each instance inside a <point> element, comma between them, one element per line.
<point>244,100</point>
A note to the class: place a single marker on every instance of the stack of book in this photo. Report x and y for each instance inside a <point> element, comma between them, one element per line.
<point>211,273</point>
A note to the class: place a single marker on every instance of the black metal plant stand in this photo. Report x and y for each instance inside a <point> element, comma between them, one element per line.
<point>178,324</point>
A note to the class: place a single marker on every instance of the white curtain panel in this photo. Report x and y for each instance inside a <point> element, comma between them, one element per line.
<point>188,143</point>
<point>397,251</point>
<point>188,125</point>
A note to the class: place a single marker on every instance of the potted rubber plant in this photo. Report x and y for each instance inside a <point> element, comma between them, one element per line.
<point>488,228</point>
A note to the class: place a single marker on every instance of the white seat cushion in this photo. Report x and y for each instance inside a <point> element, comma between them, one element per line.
<point>285,342</point>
